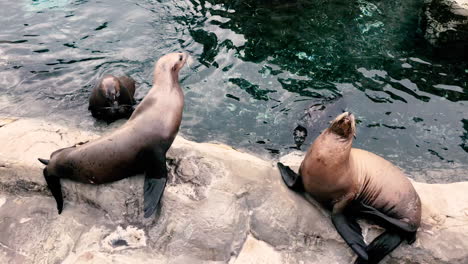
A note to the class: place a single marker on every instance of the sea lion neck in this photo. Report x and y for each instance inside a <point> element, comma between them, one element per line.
<point>339,139</point>
<point>165,78</point>
<point>329,144</point>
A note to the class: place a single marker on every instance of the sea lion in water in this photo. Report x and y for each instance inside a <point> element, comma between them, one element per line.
<point>355,183</point>
<point>300,135</point>
<point>112,98</point>
<point>138,146</point>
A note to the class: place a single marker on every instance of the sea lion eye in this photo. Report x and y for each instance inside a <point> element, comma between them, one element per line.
<point>180,57</point>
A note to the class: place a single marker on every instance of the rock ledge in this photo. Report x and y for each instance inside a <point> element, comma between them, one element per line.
<point>220,206</point>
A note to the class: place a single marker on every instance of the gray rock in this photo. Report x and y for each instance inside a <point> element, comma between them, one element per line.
<point>445,26</point>
<point>220,206</point>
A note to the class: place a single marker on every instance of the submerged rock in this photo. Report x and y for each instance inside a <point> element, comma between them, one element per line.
<point>445,26</point>
<point>220,206</point>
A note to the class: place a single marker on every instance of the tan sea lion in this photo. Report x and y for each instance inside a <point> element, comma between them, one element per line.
<point>138,146</point>
<point>355,183</point>
<point>112,98</point>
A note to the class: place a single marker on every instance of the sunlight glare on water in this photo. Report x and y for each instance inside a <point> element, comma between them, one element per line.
<point>258,69</point>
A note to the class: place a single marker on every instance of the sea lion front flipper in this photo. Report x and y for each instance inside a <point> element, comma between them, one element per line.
<point>381,246</point>
<point>155,183</point>
<point>351,232</point>
<point>125,110</point>
<point>153,189</point>
<point>55,188</point>
<point>290,178</point>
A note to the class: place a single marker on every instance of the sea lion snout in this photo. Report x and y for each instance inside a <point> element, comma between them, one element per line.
<point>346,116</point>
<point>110,86</point>
<point>183,57</point>
<point>344,125</point>
<point>350,115</point>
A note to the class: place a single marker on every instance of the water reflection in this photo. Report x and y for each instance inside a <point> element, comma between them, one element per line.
<point>301,54</point>
<point>263,69</point>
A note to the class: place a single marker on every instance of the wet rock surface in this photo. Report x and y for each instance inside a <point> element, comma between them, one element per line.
<point>445,26</point>
<point>220,206</point>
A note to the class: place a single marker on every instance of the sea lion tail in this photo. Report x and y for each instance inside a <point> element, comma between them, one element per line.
<point>44,161</point>
<point>290,178</point>
<point>55,188</point>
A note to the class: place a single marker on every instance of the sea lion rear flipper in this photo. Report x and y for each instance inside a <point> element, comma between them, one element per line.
<point>155,183</point>
<point>55,188</point>
<point>43,161</point>
<point>381,246</point>
<point>351,232</point>
<point>387,220</point>
<point>290,178</point>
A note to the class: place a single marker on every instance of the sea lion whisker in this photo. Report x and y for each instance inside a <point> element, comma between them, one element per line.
<point>189,61</point>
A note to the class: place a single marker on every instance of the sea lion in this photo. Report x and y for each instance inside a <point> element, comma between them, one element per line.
<point>355,183</point>
<point>112,98</point>
<point>300,135</point>
<point>138,146</point>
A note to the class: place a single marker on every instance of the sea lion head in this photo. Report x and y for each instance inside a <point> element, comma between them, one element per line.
<point>344,126</point>
<point>110,87</point>
<point>171,62</point>
<point>300,135</point>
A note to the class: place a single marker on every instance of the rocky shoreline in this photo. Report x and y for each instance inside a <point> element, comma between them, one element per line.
<point>220,206</point>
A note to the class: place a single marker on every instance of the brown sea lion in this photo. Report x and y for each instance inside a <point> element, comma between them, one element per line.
<point>355,183</point>
<point>112,98</point>
<point>138,146</point>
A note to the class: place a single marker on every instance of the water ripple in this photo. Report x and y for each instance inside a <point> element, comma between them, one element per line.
<point>261,69</point>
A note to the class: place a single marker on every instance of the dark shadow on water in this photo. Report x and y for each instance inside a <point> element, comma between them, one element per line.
<point>464,137</point>
<point>312,53</point>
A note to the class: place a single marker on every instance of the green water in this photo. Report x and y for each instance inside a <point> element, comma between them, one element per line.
<point>260,69</point>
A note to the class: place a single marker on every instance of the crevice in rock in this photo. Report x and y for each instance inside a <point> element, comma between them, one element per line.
<point>15,252</point>
<point>41,142</point>
<point>242,200</point>
<point>24,187</point>
<point>39,130</point>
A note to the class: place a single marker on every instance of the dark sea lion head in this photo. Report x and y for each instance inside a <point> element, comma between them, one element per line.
<point>111,89</point>
<point>300,135</point>
<point>344,126</point>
